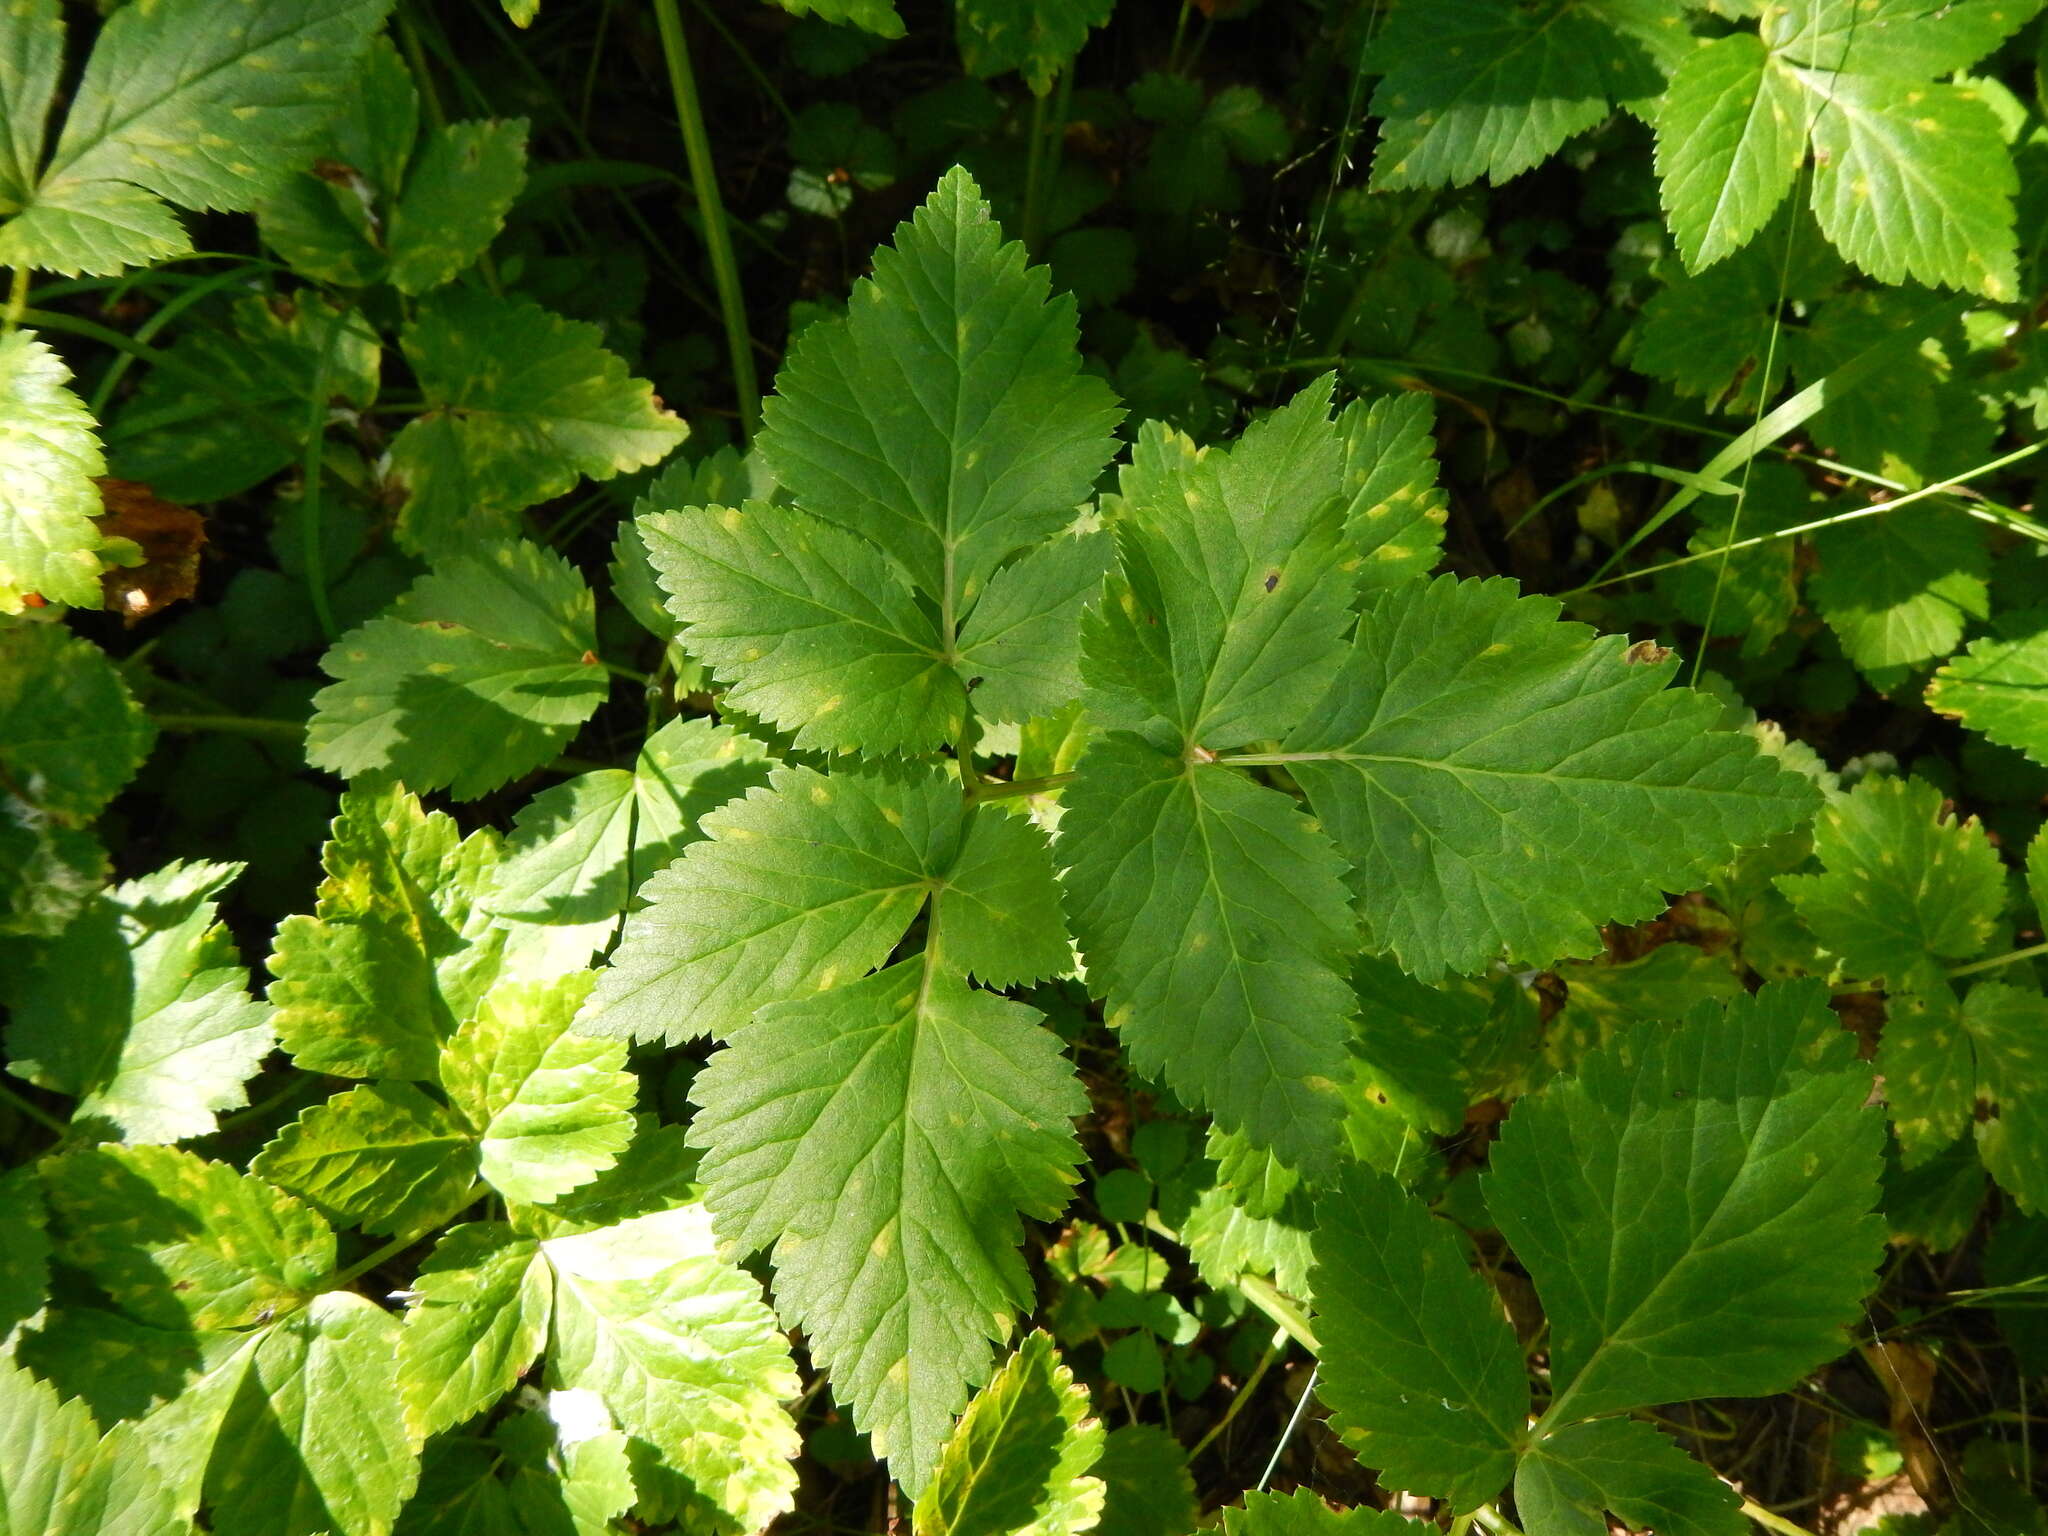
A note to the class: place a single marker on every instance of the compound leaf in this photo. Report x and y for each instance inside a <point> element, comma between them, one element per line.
<point>398,951</point>
<point>181,1242</point>
<point>58,1477</point>
<point>1902,883</point>
<point>1020,649</point>
<point>314,1440</point>
<point>1914,39</point>
<point>455,200</point>
<point>801,884</point>
<point>521,405</point>
<point>678,1343</point>
<point>1731,137</point>
<point>1999,685</point>
<point>579,849</point>
<point>812,628</point>
<point>383,1157</point>
<point>1301,1513</point>
<point>1016,1464</point>
<point>479,1315</point>
<point>1490,87</point>
<point>997,915</point>
<point>1214,922</point>
<point>880,1139</point>
<point>1470,736</point>
<point>552,1109</point>
<point>1225,625</point>
<point>1569,1479</point>
<point>1420,1367</point>
<point>483,671</point>
<point>1395,511</point>
<point>48,457</point>
<point>945,418</point>
<point>181,103</point>
<point>1897,591</point>
<point>1912,180</point>
<point>1037,38</point>
<point>1694,1206</point>
<point>141,1011</point>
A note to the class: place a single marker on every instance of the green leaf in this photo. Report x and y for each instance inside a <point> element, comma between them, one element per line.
<point>1570,1478</point>
<point>1396,511</point>
<point>478,1318</point>
<point>880,1138</point>
<point>1913,38</point>
<point>1213,920</point>
<point>2006,1025</point>
<point>461,186</point>
<point>553,1109</point>
<point>140,1010</point>
<point>1912,180</point>
<point>1146,1487</point>
<point>314,1440</point>
<point>1694,1206</point>
<point>530,1478</point>
<point>997,916</point>
<point>1490,88</point>
<point>1451,820</point>
<point>1731,137</point>
<point>71,734</point>
<point>522,404</point>
<point>181,1242</point>
<point>811,628</point>
<point>1301,1513</point>
<point>1420,1368</point>
<point>59,1478</point>
<point>1227,624</point>
<point>484,669</point>
<point>1037,38</point>
<point>678,1343</point>
<point>579,849</point>
<point>48,456</point>
<point>1902,884</point>
<point>24,1247</point>
<point>383,1157</point>
<point>31,60</point>
<point>797,886</point>
<point>1020,649</point>
<point>1999,685</point>
<point>326,226</point>
<point>234,412</point>
<point>876,16</point>
<point>1929,1066</point>
<point>399,950</point>
<point>1898,591</point>
<point>1016,1463</point>
<point>179,104</point>
<point>945,418</point>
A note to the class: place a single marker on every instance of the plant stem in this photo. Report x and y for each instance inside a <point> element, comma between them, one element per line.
<point>1244,1393</point>
<point>17,299</point>
<point>34,1111</point>
<point>233,725</point>
<point>1009,789</point>
<point>1997,960</point>
<point>1772,1522</point>
<point>1280,1307</point>
<point>356,1271</point>
<point>717,237</point>
<point>1294,1422</point>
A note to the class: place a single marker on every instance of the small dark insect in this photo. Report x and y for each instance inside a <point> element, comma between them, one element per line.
<point>1272,580</point>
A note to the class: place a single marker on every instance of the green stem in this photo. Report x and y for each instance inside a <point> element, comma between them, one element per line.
<point>17,299</point>
<point>416,56</point>
<point>1244,1394</point>
<point>233,725</point>
<point>356,1271</point>
<point>629,674</point>
<point>717,236</point>
<point>34,1111</point>
<point>1282,1308</point>
<point>1034,174</point>
<point>1997,960</point>
<point>1010,789</point>
<point>1772,1522</point>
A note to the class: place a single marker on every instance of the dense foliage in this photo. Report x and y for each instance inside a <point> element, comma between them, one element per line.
<point>1329,820</point>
